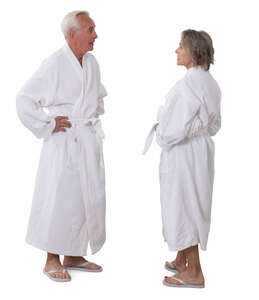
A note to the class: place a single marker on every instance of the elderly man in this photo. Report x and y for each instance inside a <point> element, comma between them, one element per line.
<point>68,208</point>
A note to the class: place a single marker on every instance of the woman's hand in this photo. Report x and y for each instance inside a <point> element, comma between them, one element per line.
<point>156,126</point>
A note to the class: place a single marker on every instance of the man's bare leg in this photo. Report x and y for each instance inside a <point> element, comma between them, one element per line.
<point>72,261</point>
<point>193,273</point>
<point>179,262</point>
<point>53,263</point>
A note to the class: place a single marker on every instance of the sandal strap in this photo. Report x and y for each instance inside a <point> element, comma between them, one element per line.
<point>178,279</point>
<point>56,271</point>
<point>85,264</point>
<point>172,265</point>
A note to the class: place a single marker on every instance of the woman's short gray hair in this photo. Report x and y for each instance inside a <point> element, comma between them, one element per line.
<point>70,21</point>
<point>200,47</point>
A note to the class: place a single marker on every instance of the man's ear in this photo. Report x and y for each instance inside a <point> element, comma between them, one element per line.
<point>71,34</point>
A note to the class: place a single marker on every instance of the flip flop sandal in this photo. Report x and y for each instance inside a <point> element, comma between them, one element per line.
<point>171,267</point>
<point>47,273</point>
<point>183,284</point>
<point>82,268</point>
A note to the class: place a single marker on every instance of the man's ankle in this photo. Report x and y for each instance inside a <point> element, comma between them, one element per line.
<point>52,258</point>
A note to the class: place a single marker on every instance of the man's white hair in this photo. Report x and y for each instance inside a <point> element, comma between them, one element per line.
<point>70,22</point>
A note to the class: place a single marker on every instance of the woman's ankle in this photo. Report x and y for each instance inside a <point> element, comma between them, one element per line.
<point>195,271</point>
<point>180,262</point>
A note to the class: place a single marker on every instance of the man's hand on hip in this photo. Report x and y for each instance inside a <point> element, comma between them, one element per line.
<point>61,123</point>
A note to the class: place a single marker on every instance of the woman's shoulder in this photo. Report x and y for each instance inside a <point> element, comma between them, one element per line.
<point>176,87</point>
<point>201,82</point>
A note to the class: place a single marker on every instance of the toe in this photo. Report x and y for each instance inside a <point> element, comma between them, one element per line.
<point>93,266</point>
<point>98,267</point>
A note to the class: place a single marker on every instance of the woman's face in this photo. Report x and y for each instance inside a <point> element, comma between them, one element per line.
<point>183,57</point>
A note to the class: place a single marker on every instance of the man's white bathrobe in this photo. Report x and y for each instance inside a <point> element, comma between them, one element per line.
<point>190,116</point>
<point>68,208</point>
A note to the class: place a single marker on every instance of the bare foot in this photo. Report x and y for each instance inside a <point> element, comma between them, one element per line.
<point>179,265</point>
<point>54,264</point>
<point>188,278</point>
<point>74,261</point>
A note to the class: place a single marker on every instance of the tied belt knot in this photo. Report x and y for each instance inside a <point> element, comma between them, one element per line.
<point>193,132</point>
<point>95,126</point>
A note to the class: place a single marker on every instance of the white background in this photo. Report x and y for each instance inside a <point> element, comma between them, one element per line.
<point>135,50</point>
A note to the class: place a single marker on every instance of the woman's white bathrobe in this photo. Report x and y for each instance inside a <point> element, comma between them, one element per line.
<point>68,208</point>
<point>190,116</point>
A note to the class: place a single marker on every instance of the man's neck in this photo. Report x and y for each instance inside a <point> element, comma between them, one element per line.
<point>76,52</point>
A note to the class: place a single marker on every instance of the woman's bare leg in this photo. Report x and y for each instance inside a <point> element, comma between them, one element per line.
<point>179,262</point>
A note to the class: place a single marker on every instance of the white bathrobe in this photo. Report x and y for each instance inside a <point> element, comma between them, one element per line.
<point>68,208</point>
<point>190,116</point>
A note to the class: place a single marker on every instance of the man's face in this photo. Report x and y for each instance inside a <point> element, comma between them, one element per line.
<point>84,38</point>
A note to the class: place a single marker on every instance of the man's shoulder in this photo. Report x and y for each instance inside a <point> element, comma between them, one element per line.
<point>52,61</point>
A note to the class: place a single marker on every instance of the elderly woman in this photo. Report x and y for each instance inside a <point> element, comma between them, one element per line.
<point>190,116</point>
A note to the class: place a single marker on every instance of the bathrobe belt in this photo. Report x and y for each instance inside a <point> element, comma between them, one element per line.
<point>95,126</point>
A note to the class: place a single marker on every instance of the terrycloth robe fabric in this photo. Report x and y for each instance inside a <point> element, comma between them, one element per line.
<point>190,116</point>
<point>68,207</point>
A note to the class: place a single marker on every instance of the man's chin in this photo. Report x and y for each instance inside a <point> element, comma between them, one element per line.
<point>91,47</point>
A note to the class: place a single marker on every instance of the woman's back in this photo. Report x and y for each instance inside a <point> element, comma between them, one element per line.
<point>207,92</point>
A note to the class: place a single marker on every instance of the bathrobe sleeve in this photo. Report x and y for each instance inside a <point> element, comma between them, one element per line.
<point>214,122</point>
<point>179,118</point>
<point>102,94</point>
<point>36,94</point>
